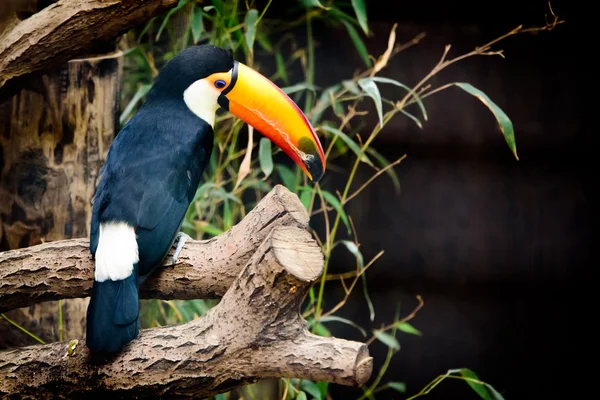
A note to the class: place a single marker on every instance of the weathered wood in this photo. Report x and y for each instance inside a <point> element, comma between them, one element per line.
<point>254,333</point>
<point>68,29</point>
<point>205,269</point>
<point>53,143</point>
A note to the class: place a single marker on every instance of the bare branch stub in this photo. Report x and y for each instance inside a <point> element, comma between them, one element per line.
<point>205,269</point>
<point>254,333</point>
<point>68,29</point>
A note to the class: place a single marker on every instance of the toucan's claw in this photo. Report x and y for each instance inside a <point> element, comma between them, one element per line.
<point>180,239</point>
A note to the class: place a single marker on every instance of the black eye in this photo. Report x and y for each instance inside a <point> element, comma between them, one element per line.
<point>220,84</point>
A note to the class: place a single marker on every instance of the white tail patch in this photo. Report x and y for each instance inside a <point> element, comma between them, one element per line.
<point>116,253</point>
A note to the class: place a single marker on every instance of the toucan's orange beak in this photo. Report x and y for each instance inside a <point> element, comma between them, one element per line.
<point>260,103</point>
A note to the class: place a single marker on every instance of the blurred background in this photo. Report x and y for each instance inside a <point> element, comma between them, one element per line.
<point>499,249</point>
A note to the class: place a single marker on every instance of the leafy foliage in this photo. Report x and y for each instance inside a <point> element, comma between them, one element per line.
<point>241,171</point>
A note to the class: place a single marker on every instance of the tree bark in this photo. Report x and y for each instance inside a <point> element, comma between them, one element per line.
<point>68,29</point>
<point>54,138</point>
<point>204,269</point>
<point>254,333</point>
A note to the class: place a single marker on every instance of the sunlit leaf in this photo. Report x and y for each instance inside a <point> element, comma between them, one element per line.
<point>265,156</point>
<point>244,169</point>
<point>349,142</point>
<point>398,386</point>
<point>415,96</point>
<point>505,123</point>
<point>361,14</point>
<point>196,23</point>
<point>387,339</point>
<point>407,328</point>
<point>250,27</point>
<point>335,203</point>
<point>358,44</point>
<point>371,90</point>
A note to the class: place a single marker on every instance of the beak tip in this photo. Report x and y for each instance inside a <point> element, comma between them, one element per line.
<point>315,169</point>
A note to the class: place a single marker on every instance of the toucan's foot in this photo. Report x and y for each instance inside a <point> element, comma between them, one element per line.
<point>180,239</point>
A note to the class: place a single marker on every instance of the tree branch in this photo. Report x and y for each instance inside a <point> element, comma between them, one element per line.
<point>205,269</point>
<point>254,333</point>
<point>68,29</point>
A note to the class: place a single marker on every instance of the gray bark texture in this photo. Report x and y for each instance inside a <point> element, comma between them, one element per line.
<point>254,333</point>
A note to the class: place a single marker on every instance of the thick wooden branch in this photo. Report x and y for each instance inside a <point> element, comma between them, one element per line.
<point>254,333</point>
<point>69,29</point>
<point>205,269</point>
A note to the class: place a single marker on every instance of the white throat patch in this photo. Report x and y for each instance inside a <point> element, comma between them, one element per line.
<point>116,253</point>
<point>201,98</point>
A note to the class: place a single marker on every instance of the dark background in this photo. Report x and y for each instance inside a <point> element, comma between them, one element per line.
<point>499,249</point>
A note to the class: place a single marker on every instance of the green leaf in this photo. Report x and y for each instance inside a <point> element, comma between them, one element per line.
<point>407,328</point>
<point>371,90</point>
<point>137,97</point>
<point>335,202</point>
<point>415,96</point>
<point>210,229</point>
<point>361,14</point>
<point>323,388</point>
<point>352,248</point>
<point>250,27</point>
<point>305,198</point>
<point>320,330</point>
<point>343,320</point>
<point>196,23</point>
<point>221,396</point>
<point>398,386</point>
<point>382,163</point>
<point>297,88</point>
<point>312,389</point>
<point>505,123</point>
<point>349,142</point>
<point>415,119</point>
<point>281,69</point>
<point>301,396</point>
<point>288,178</point>
<point>479,388</point>
<point>358,44</point>
<point>323,103</point>
<point>387,339</point>
<point>314,3</point>
<point>265,156</point>
<point>166,19</point>
<point>264,42</point>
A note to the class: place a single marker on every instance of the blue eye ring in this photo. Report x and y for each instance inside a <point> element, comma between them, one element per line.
<point>220,84</point>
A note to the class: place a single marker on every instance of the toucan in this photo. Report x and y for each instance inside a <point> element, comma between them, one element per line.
<point>155,165</point>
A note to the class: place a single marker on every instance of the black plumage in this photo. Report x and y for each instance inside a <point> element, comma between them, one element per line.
<point>151,174</point>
